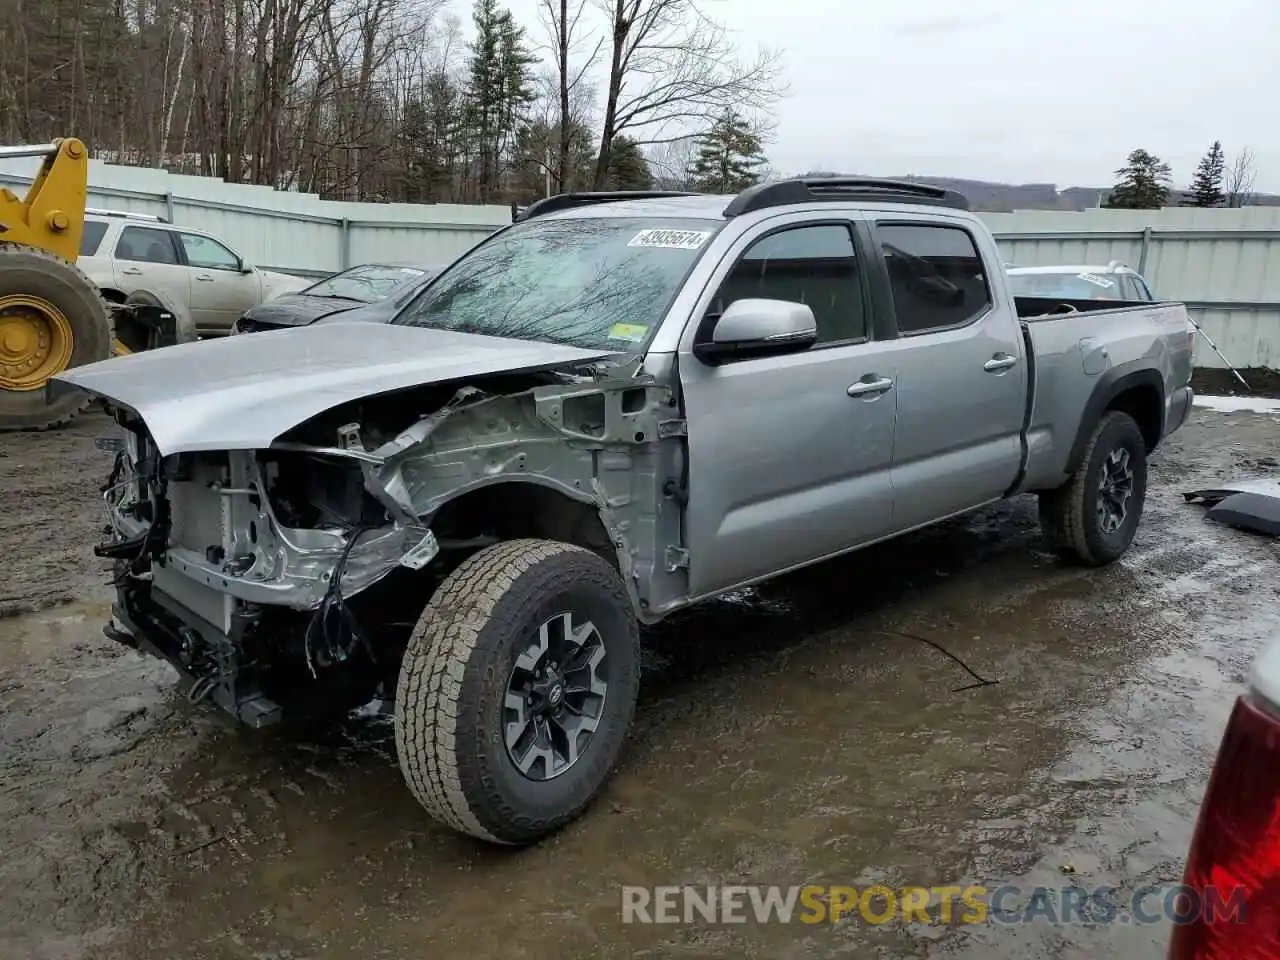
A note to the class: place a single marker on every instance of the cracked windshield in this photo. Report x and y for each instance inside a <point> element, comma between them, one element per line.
<point>591,283</point>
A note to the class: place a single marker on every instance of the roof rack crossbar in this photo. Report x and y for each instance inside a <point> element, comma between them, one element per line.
<point>125,214</point>
<point>564,201</point>
<point>812,189</point>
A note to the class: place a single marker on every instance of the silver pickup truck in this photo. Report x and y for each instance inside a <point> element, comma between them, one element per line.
<point>616,407</point>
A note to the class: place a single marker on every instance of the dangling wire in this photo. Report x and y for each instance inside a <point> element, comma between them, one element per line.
<point>333,620</point>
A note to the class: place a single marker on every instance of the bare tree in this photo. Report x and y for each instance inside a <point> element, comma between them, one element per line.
<point>1237,185</point>
<point>671,66</point>
<point>670,161</point>
<point>370,99</point>
<point>562,20</point>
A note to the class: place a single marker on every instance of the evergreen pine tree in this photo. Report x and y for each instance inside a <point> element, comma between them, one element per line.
<point>1206,188</point>
<point>628,169</point>
<point>498,91</point>
<point>729,155</point>
<point>1144,183</point>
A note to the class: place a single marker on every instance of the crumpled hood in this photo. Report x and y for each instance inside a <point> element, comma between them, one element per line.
<point>298,309</point>
<point>381,311</point>
<point>241,393</point>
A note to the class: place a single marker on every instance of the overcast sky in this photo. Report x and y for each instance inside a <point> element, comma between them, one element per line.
<point>1055,91</point>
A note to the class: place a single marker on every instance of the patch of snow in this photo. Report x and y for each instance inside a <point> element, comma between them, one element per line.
<point>1238,404</point>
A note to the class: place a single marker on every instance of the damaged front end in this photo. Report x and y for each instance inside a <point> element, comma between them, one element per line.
<point>285,580</point>
<point>238,567</point>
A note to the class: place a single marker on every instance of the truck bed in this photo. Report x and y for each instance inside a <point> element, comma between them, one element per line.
<point>1111,343</point>
<point>1032,309</point>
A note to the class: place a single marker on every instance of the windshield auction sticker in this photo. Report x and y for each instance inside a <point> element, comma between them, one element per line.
<point>630,332</point>
<point>670,239</point>
<point>1096,280</point>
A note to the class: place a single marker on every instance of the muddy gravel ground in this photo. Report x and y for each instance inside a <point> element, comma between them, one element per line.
<point>798,735</point>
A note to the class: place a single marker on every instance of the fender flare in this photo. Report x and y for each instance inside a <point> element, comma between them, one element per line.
<point>1112,383</point>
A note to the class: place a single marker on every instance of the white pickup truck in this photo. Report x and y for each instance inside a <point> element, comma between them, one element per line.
<point>199,278</point>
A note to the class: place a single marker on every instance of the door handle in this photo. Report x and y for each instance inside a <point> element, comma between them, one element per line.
<point>867,388</point>
<point>132,271</point>
<point>1001,361</point>
<point>203,276</point>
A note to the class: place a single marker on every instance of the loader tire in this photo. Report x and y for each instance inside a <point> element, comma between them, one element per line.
<point>1092,518</point>
<point>517,689</point>
<point>48,303</point>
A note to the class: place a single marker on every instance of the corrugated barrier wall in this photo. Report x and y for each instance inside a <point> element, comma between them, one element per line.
<point>1225,264</point>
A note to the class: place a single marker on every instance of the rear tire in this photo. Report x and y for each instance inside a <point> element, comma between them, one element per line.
<point>135,337</point>
<point>32,272</point>
<point>1092,518</point>
<point>491,744</point>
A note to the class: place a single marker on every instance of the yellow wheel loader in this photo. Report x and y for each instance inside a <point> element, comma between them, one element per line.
<point>52,317</point>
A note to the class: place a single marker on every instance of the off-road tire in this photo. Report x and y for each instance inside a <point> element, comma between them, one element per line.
<point>1069,514</point>
<point>453,681</point>
<point>37,272</point>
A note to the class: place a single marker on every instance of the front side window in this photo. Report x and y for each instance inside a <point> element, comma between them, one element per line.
<point>367,283</point>
<point>936,274</point>
<point>814,265</point>
<point>94,231</point>
<point>595,283</point>
<point>146,245</point>
<point>207,253</point>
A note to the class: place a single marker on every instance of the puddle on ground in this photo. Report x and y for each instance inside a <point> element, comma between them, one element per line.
<point>808,732</point>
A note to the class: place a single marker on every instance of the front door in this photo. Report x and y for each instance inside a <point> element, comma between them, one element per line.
<point>962,378</point>
<point>786,464</point>
<point>220,291</point>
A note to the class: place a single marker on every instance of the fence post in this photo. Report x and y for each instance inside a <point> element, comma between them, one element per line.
<point>1144,250</point>
<point>168,205</point>
<point>344,250</point>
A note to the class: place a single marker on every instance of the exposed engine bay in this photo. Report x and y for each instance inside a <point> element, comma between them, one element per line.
<point>286,580</point>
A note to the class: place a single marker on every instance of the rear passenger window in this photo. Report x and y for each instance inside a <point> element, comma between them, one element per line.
<point>812,265</point>
<point>94,231</point>
<point>146,245</point>
<point>936,274</point>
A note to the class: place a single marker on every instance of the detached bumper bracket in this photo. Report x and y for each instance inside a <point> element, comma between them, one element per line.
<point>122,548</point>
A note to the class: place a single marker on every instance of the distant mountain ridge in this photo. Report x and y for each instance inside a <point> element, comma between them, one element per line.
<point>997,197</point>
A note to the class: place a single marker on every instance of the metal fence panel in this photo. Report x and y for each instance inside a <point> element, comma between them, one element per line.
<point>282,230</point>
<point>1225,264</point>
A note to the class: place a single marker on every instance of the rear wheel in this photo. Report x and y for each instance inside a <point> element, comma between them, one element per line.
<point>517,689</point>
<point>1093,517</point>
<point>51,319</point>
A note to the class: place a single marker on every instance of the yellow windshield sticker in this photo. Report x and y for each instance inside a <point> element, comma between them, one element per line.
<point>631,332</point>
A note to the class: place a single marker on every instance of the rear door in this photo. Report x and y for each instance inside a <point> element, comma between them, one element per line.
<point>220,291</point>
<point>787,466</point>
<point>95,254</point>
<point>147,258</point>
<point>961,377</point>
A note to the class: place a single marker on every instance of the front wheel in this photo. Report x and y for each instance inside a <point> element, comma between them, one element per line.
<point>517,689</point>
<point>1093,517</point>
